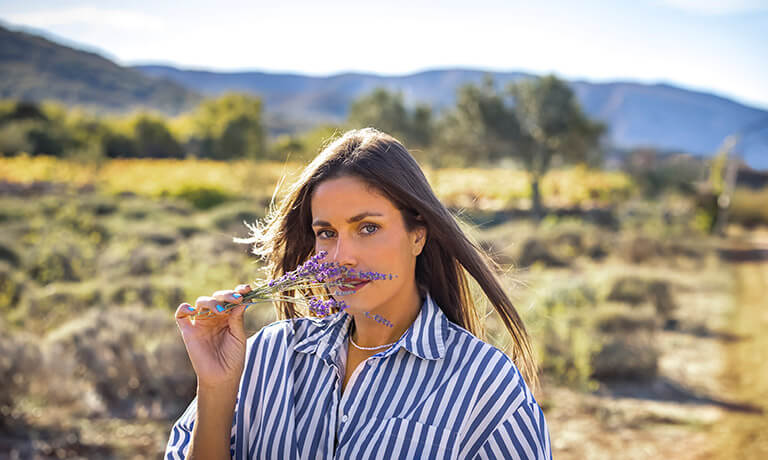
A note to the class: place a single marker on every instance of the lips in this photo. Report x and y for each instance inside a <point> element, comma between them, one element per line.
<point>353,284</point>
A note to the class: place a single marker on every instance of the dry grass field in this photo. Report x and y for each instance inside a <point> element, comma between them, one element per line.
<point>648,332</point>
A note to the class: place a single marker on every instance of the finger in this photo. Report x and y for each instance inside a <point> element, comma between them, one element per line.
<point>243,288</point>
<point>228,296</point>
<point>183,312</point>
<point>206,304</point>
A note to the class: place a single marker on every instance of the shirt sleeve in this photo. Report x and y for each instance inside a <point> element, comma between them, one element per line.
<point>181,433</point>
<point>523,435</point>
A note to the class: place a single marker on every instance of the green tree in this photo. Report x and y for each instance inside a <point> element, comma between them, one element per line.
<point>230,126</point>
<point>553,126</point>
<point>304,146</point>
<point>154,140</point>
<point>36,129</point>
<point>481,127</point>
<point>386,111</point>
<point>537,122</point>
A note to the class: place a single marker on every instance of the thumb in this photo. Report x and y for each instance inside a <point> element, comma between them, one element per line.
<point>236,322</point>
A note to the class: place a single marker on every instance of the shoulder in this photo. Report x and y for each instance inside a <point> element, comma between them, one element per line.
<point>503,416</point>
<point>495,370</point>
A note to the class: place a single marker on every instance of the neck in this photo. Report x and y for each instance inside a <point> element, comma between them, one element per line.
<point>368,332</point>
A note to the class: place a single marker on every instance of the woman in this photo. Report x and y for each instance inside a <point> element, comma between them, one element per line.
<point>419,384</point>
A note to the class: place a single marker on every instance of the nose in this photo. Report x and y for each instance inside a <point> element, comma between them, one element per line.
<point>344,252</point>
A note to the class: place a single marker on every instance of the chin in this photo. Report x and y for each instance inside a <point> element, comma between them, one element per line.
<point>356,301</point>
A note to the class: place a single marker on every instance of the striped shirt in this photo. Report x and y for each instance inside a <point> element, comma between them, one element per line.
<point>438,392</point>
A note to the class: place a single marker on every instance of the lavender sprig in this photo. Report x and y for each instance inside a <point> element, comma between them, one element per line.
<point>311,274</point>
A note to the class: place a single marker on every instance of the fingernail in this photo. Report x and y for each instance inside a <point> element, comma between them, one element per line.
<point>191,308</point>
<point>218,307</point>
<point>237,296</point>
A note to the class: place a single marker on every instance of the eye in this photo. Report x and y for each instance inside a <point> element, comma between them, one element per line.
<point>321,233</point>
<point>372,228</point>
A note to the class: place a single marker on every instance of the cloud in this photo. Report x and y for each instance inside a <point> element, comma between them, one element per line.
<point>718,7</point>
<point>124,20</point>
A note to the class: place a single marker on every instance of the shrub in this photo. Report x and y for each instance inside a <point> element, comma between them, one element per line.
<point>563,324</point>
<point>20,363</point>
<point>536,251</point>
<point>143,292</point>
<point>41,308</point>
<point>202,197</point>
<point>11,285</point>
<point>133,359</point>
<point>748,207</point>
<point>634,291</point>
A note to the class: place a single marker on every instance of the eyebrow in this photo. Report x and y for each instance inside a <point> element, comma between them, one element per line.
<point>359,217</point>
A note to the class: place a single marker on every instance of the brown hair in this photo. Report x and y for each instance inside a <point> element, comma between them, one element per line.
<point>285,238</point>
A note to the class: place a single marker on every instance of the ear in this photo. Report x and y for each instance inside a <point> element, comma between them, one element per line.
<point>418,240</point>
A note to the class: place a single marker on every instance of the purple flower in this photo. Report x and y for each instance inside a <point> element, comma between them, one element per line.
<point>311,274</point>
<point>323,307</point>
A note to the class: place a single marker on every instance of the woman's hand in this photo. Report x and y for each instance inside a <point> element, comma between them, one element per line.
<point>215,344</point>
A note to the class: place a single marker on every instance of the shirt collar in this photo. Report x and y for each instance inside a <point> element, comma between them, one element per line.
<point>424,338</point>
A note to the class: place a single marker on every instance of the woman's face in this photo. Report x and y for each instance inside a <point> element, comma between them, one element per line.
<point>361,229</point>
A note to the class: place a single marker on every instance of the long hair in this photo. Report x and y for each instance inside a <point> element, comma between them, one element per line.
<point>285,238</point>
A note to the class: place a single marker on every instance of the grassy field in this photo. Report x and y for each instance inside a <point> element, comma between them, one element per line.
<point>476,188</point>
<point>635,318</point>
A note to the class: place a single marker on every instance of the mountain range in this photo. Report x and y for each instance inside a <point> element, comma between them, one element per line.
<point>661,116</point>
<point>35,68</point>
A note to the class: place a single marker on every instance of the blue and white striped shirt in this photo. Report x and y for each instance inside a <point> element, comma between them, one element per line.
<point>439,392</point>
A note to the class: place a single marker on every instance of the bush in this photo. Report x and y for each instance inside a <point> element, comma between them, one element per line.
<point>143,292</point>
<point>42,308</point>
<point>11,286</point>
<point>627,344</point>
<point>202,197</point>
<point>537,251</point>
<point>133,360</point>
<point>748,207</point>
<point>635,291</point>
<point>20,363</point>
<point>564,327</point>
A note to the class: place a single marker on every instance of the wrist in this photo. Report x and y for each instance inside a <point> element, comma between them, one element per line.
<point>226,387</point>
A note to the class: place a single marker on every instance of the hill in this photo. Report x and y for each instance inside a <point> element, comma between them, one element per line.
<point>661,116</point>
<point>34,68</point>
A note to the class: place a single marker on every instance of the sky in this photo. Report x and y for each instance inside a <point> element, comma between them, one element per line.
<point>708,45</point>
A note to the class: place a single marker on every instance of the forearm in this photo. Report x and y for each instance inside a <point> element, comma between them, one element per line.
<point>213,423</point>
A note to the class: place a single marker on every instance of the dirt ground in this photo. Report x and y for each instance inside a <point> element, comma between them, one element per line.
<point>710,400</point>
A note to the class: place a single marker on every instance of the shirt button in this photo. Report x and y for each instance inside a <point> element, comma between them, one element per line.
<point>344,418</point>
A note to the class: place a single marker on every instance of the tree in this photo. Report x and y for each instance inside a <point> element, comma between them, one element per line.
<point>386,111</point>
<point>554,126</point>
<point>153,139</point>
<point>536,121</point>
<point>481,128</point>
<point>230,126</point>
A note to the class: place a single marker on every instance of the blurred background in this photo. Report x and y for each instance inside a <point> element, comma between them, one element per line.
<point>611,157</point>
